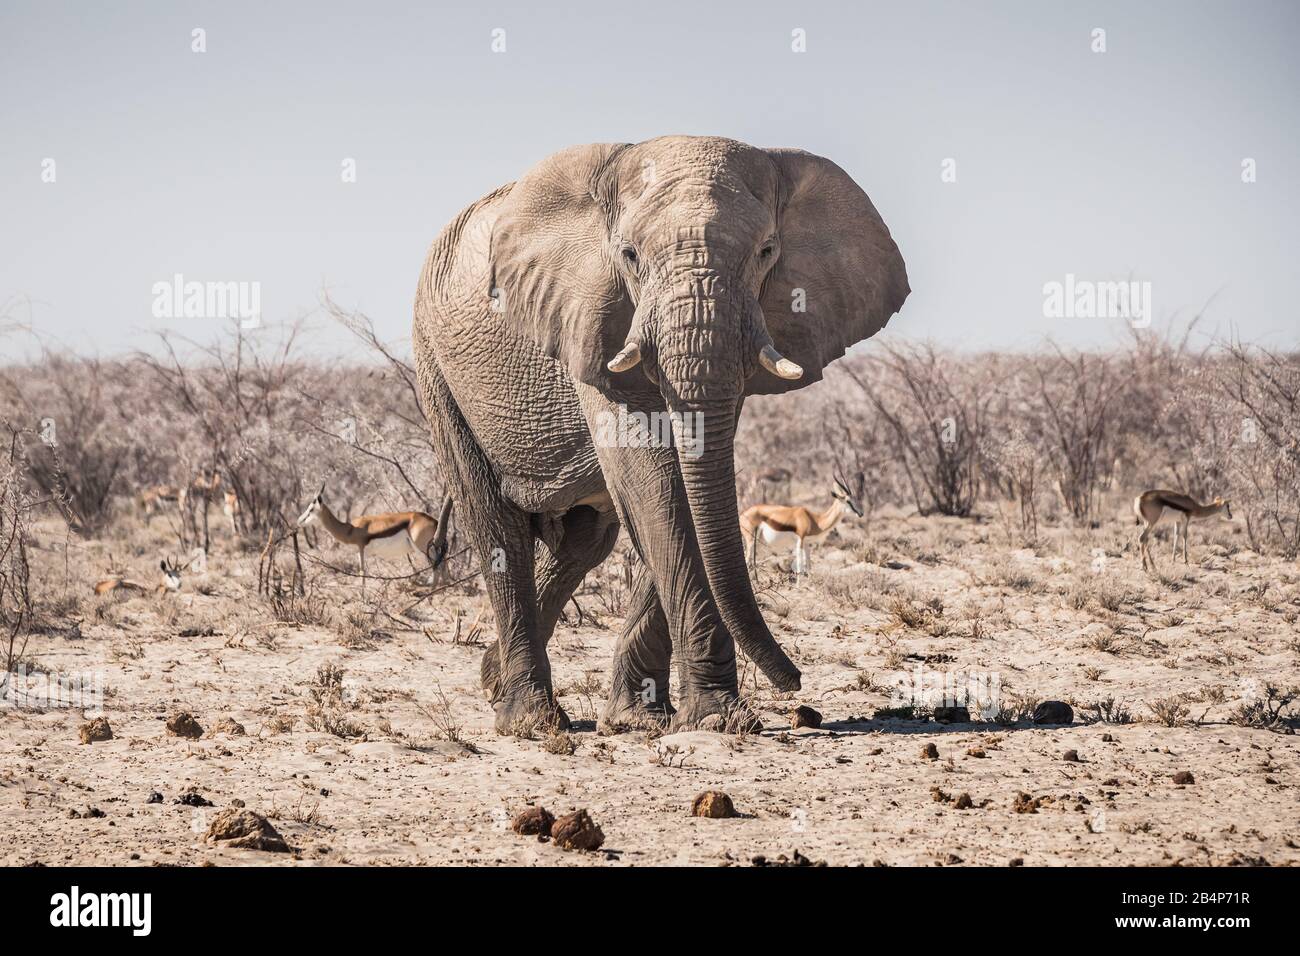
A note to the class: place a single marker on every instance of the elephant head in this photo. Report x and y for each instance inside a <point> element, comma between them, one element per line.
<point>706,270</point>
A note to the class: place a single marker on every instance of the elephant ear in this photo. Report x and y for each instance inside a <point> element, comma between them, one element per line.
<point>839,277</point>
<point>551,270</point>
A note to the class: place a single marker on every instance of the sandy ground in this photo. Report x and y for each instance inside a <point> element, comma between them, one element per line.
<point>348,715</point>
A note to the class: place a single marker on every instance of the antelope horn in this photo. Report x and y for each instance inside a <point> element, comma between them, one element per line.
<point>630,357</point>
<point>779,365</point>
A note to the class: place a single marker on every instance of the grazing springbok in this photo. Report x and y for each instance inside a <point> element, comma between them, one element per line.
<point>1150,505</point>
<point>169,584</point>
<point>779,525</point>
<point>391,535</point>
<point>152,499</point>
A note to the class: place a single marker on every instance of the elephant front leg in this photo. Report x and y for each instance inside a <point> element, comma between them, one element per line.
<point>638,691</point>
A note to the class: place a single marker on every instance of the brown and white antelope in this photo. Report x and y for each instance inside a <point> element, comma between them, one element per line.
<point>1150,505</point>
<point>390,535</point>
<point>154,498</point>
<point>230,508</point>
<point>170,582</point>
<point>796,526</point>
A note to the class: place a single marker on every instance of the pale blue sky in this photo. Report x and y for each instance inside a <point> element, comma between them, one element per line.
<point>226,165</point>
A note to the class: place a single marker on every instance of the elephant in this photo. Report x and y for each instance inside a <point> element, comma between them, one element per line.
<point>612,286</point>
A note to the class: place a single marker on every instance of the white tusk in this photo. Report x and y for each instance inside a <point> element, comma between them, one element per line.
<point>630,357</point>
<point>781,367</point>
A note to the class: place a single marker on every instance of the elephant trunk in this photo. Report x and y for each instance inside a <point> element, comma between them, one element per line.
<point>706,457</point>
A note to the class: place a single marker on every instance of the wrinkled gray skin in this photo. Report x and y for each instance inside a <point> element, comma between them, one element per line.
<point>700,250</point>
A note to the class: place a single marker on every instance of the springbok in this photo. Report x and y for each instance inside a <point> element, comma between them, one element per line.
<point>230,508</point>
<point>390,535</point>
<point>153,498</point>
<point>1150,505</point>
<point>784,524</point>
<point>169,584</point>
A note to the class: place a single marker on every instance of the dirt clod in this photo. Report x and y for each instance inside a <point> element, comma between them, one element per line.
<point>535,821</point>
<point>713,804</point>
<point>95,731</point>
<point>183,724</point>
<point>805,716</point>
<point>577,831</point>
<point>245,830</point>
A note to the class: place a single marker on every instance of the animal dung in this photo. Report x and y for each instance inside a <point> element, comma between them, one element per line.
<point>577,831</point>
<point>94,731</point>
<point>714,805</point>
<point>245,830</point>
<point>182,724</point>
<point>1053,712</point>
<point>535,821</point>
<point>228,726</point>
<point>952,715</point>
<point>804,716</point>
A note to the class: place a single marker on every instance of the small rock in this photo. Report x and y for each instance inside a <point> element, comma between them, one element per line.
<point>929,752</point>
<point>183,725</point>
<point>713,804</point>
<point>1108,738</point>
<point>577,831</point>
<point>96,730</point>
<point>977,752</point>
<point>964,802</point>
<point>94,812</point>
<point>1184,778</point>
<point>237,803</point>
<point>1071,756</point>
<point>805,717</point>
<point>228,726</point>
<point>1018,861</point>
<point>535,821</point>
<point>952,715</point>
<point>245,830</point>
<point>1053,712</point>
<point>192,798</point>
<point>155,797</point>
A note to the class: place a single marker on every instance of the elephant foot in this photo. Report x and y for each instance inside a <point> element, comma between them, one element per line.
<point>719,712</point>
<point>529,713</point>
<point>489,672</point>
<point>628,712</point>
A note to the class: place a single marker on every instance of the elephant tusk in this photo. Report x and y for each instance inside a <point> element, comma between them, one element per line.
<point>777,364</point>
<point>630,357</point>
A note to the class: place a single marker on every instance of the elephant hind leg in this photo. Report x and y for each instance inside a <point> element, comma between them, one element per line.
<point>500,534</point>
<point>587,538</point>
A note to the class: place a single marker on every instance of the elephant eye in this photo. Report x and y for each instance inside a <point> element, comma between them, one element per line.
<point>766,251</point>
<point>629,255</point>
